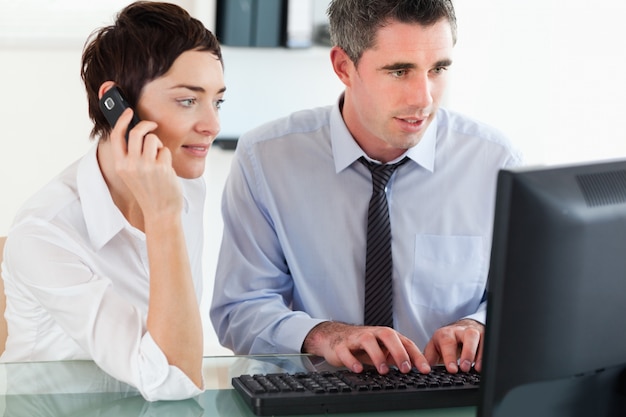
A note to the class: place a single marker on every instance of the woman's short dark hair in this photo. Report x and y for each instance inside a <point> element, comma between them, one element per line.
<point>143,43</point>
<point>354,23</point>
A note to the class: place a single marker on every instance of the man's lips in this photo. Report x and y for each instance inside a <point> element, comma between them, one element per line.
<point>413,119</point>
<point>411,123</point>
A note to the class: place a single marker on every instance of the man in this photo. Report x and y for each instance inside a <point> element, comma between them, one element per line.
<point>292,269</point>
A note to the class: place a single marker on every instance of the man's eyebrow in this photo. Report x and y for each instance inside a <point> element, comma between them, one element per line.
<point>443,63</point>
<point>407,65</point>
<point>398,66</point>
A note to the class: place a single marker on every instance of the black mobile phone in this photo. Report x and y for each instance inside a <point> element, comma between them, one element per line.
<point>113,105</point>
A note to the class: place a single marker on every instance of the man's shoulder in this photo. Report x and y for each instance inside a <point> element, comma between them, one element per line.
<point>300,122</point>
<point>461,123</point>
<point>470,128</point>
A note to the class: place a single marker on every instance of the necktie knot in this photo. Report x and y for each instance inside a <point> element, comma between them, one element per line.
<point>381,173</point>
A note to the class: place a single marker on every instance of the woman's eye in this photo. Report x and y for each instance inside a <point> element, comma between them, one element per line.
<point>187,102</point>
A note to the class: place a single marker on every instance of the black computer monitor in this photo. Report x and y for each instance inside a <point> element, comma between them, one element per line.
<point>555,342</point>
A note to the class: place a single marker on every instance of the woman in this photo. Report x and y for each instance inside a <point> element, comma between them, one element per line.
<point>104,263</point>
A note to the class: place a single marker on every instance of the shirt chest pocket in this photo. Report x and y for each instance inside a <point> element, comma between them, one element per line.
<point>449,273</point>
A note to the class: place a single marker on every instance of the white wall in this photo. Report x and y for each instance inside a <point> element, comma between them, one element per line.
<point>549,73</point>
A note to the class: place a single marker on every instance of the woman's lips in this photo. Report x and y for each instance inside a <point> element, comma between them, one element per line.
<point>197,149</point>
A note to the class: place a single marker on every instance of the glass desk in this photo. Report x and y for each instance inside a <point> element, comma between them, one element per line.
<point>80,388</point>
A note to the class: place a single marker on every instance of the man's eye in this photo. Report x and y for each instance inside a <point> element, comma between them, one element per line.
<point>398,73</point>
<point>218,103</point>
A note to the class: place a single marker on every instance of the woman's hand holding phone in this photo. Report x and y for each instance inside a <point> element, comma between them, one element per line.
<point>145,166</point>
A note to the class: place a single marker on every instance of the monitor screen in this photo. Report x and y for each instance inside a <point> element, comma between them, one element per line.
<point>555,342</point>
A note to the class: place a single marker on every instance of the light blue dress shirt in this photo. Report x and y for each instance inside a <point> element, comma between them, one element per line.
<point>295,219</point>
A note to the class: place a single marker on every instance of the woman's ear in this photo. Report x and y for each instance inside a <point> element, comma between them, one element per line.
<point>105,87</point>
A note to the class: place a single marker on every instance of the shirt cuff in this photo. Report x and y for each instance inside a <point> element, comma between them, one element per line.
<point>480,315</point>
<point>158,380</point>
<point>292,333</point>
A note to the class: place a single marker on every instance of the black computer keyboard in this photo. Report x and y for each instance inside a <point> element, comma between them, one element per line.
<point>345,391</point>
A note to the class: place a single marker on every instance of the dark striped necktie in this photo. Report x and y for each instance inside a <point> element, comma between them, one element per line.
<point>378,261</point>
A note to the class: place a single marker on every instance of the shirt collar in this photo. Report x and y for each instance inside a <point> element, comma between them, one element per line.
<point>103,219</point>
<point>346,150</point>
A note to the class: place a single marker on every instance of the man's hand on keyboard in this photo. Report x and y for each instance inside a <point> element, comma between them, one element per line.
<point>352,346</point>
<point>461,341</point>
